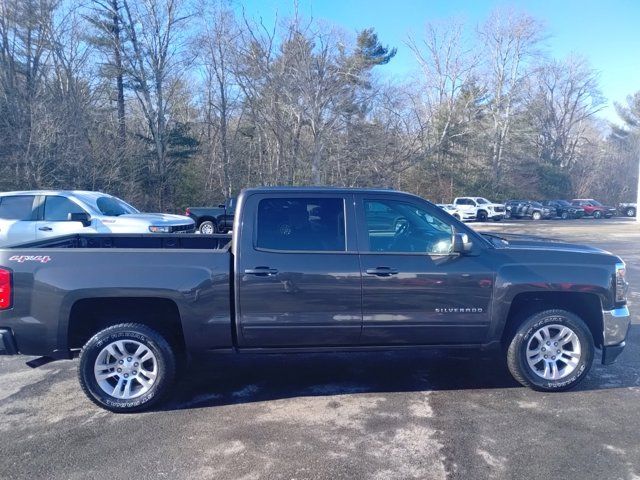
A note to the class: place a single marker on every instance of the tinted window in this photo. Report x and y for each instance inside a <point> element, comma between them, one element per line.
<point>482,201</point>
<point>113,207</point>
<point>315,224</point>
<point>465,201</point>
<point>394,226</point>
<point>57,209</point>
<point>19,207</point>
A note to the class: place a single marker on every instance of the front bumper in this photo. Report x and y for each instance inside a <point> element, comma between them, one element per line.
<point>616,326</point>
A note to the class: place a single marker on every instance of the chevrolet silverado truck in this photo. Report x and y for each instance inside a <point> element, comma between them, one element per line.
<point>309,270</point>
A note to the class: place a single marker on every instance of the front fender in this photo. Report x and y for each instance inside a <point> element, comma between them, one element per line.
<point>514,279</point>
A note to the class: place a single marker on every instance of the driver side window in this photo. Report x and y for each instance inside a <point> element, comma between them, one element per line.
<point>399,227</point>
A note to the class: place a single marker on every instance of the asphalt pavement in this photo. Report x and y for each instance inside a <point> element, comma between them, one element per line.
<point>422,415</point>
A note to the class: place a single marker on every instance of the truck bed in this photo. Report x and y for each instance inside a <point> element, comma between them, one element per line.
<point>142,241</point>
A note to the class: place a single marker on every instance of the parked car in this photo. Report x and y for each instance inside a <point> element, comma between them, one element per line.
<point>210,220</point>
<point>593,208</point>
<point>527,209</point>
<point>479,208</point>
<point>308,271</point>
<point>628,209</point>
<point>37,215</point>
<point>453,211</point>
<point>563,209</point>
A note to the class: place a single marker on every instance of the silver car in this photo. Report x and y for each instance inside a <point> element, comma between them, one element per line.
<point>35,215</point>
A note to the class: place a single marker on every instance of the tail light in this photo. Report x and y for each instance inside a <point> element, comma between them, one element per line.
<point>5,289</point>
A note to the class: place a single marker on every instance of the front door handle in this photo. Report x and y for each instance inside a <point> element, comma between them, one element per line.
<point>261,271</point>
<point>382,271</point>
<point>45,229</point>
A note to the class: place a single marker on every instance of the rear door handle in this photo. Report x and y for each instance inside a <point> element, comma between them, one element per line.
<point>261,271</point>
<point>382,271</point>
<point>45,229</point>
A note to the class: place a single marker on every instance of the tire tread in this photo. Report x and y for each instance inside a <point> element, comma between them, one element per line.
<point>163,344</point>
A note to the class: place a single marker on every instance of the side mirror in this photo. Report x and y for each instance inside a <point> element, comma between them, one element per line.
<point>461,243</point>
<point>83,218</point>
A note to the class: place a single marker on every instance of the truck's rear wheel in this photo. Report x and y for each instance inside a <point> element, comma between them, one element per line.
<point>551,351</point>
<point>208,228</point>
<point>126,368</point>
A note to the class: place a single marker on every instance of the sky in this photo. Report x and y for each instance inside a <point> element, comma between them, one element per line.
<point>606,32</point>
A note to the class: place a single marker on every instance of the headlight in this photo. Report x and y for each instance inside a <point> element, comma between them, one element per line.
<point>158,229</point>
<point>621,282</point>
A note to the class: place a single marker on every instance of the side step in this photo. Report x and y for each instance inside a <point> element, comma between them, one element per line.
<point>40,361</point>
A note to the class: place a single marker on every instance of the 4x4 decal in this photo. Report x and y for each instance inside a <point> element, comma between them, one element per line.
<point>30,258</point>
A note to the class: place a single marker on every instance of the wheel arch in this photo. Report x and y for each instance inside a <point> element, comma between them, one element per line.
<point>206,218</point>
<point>587,306</point>
<point>88,316</point>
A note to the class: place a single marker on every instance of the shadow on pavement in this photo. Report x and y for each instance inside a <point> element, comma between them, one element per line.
<point>234,379</point>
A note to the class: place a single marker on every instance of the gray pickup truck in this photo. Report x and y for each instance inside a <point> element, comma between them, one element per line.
<point>309,269</point>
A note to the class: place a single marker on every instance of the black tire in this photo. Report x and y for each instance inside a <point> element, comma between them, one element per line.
<point>482,216</point>
<point>630,212</point>
<point>516,352</point>
<point>564,215</point>
<point>597,214</point>
<point>208,228</point>
<point>536,216</point>
<point>151,339</point>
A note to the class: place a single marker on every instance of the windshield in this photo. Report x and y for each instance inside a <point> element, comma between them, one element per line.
<point>113,207</point>
<point>536,204</point>
<point>482,201</point>
<point>596,203</point>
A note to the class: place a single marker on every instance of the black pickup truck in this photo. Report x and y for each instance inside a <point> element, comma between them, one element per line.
<point>211,220</point>
<point>309,269</point>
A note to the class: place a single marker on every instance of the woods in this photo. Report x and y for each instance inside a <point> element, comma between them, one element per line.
<point>170,103</point>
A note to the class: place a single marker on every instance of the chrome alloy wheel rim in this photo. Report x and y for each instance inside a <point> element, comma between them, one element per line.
<point>553,352</point>
<point>126,369</point>
<point>207,229</point>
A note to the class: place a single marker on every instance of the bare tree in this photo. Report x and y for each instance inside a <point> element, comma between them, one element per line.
<point>511,40</point>
<point>155,64</point>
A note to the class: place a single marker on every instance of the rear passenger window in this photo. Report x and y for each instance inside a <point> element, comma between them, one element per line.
<point>19,207</point>
<point>57,209</point>
<point>311,224</point>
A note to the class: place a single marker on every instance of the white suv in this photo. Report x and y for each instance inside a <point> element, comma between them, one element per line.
<point>479,208</point>
<point>36,215</point>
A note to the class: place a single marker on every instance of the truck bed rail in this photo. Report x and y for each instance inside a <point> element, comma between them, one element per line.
<point>142,241</point>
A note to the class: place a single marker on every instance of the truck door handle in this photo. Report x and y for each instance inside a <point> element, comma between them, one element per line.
<point>261,271</point>
<point>382,271</point>
<point>45,229</point>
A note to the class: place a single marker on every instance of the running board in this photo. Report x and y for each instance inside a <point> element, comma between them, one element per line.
<point>40,361</point>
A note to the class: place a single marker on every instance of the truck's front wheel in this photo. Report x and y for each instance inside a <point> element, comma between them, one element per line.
<point>551,351</point>
<point>126,368</point>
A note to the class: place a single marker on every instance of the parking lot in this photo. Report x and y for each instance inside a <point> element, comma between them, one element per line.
<point>426,415</point>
